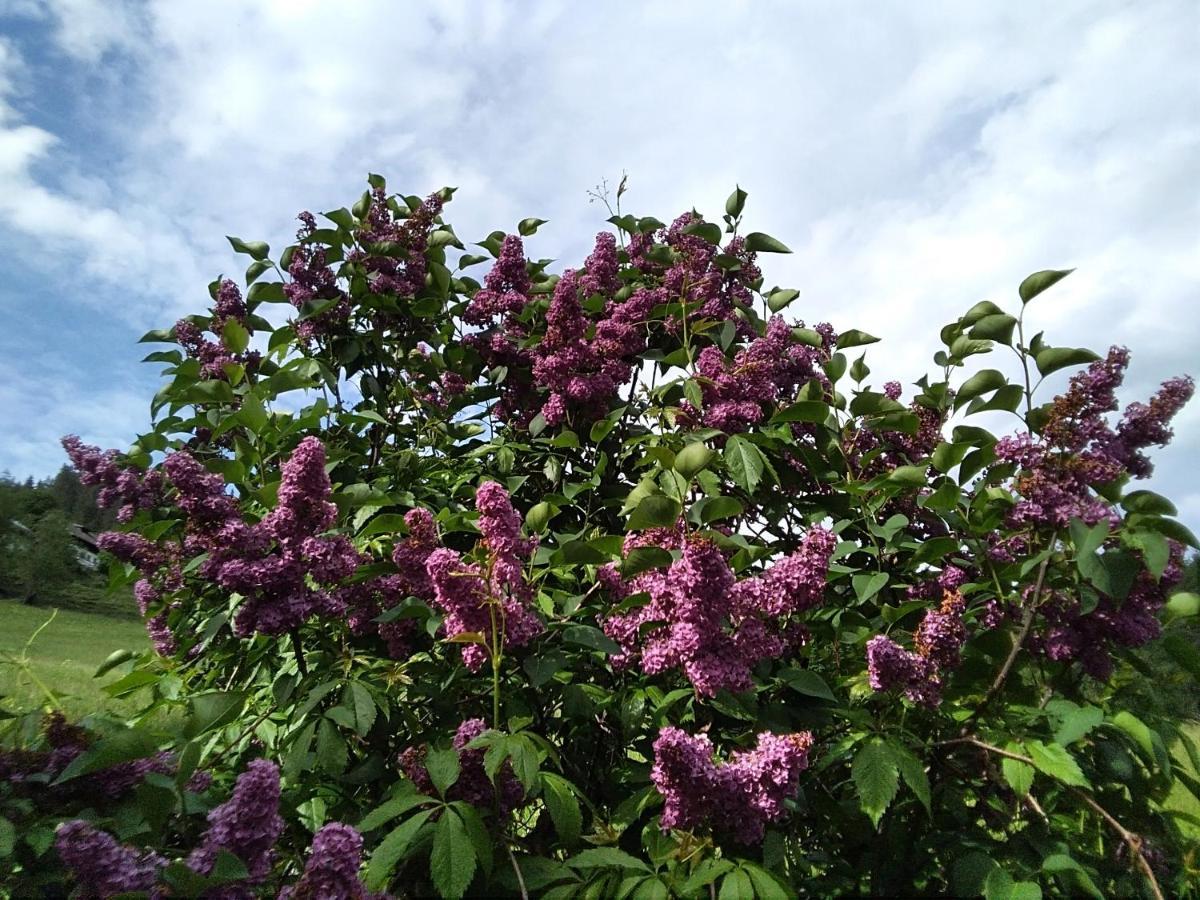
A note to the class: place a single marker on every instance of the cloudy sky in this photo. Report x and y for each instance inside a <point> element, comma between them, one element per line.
<point>916,157</point>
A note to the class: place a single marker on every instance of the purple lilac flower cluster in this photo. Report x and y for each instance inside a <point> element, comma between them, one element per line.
<point>30,770</point>
<point>331,872</point>
<point>938,641</point>
<point>125,486</point>
<point>1078,449</point>
<point>715,628</point>
<point>247,825</point>
<point>477,598</point>
<point>1065,633</point>
<point>403,274</point>
<point>281,565</point>
<point>473,784</point>
<point>764,373</point>
<point>102,866</point>
<point>741,795</point>
<point>314,282</point>
<point>366,600</point>
<point>214,356</point>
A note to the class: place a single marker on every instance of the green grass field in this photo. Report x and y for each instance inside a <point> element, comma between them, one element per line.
<point>63,657</point>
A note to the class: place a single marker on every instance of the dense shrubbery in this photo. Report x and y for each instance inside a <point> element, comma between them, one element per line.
<point>616,583</point>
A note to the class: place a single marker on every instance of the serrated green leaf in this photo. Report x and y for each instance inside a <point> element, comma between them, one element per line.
<point>452,857</point>
<point>443,768</point>
<point>876,778</point>
<point>744,462</point>
<point>1057,762</point>
<point>392,849</point>
<point>563,806</point>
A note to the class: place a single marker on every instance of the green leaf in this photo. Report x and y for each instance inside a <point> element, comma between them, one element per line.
<point>908,476</point>
<point>539,516</point>
<point>642,559</point>
<point>693,459</point>
<point>452,858</point>
<point>213,710</point>
<point>980,383</point>
<point>364,708</point>
<point>235,336</point>
<point>1019,775</point>
<point>1039,281</point>
<point>332,755</point>
<point>385,812</point>
<point>590,636</point>
<point>655,511</point>
<point>1183,604</point>
<point>8,836</point>
<point>736,202</point>
<point>946,455</point>
<point>606,858</point>
<point>912,770</point>
<point>1063,864</point>
<point>118,747</point>
<point>980,310</point>
<point>781,298</point>
<point>528,226</point>
<point>997,327</point>
<point>766,885</point>
<point>744,462</point>
<point>758,242</point>
<point>852,337</point>
<point>1076,723</point>
<point>443,768</point>
<point>256,249</point>
<point>809,683</point>
<point>868,584</point>
<point>1057,762</point>
<point>736,886</point>
<point>706,231</point>
<point>1054,358</point>
<point>113,660</point>
<point>1148,502</point>
<point>711,509</point>
<point>392,849</point>
<point>876,778</point>
<point>563,806</point>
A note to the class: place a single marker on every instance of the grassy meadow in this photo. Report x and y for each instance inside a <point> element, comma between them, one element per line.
<point>63,657</point>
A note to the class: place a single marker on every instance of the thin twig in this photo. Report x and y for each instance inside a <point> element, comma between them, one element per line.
<point>517,871</point>
<point>1132,840</point>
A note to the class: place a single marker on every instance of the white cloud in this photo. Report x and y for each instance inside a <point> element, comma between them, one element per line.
<point>916,158</point>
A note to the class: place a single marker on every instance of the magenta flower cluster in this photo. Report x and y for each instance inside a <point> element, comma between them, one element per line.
<point>103,867</point>
<point>489,596</point>
<point>711,626</point>
<point>121,485</point>
<point>247,825</point>
<point>938,641</point>
<point>401,270</point>
<point>214,356</point>
<point>284,567</point>
<point>741,795</point>
<point>763,374</point>
<point>331,872</point>
<point>473,784</point>
<point>1078,449</point>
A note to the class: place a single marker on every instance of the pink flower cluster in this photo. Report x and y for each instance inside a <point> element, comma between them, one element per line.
<point>401,271</point>
<point>1065,633</point>
<point>332,869</point>
<point>313,282</point>
<point>1078,450</point>
<point>123,485</point>
<point>938,641</point>
<point>214,356</point>
<point>763,374</point>
<point>701,620</point>
<point>740,795</point>
<point>481,597</point>
<point>368,599</point>
<point>283,566</point>
<point>473,784</point>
